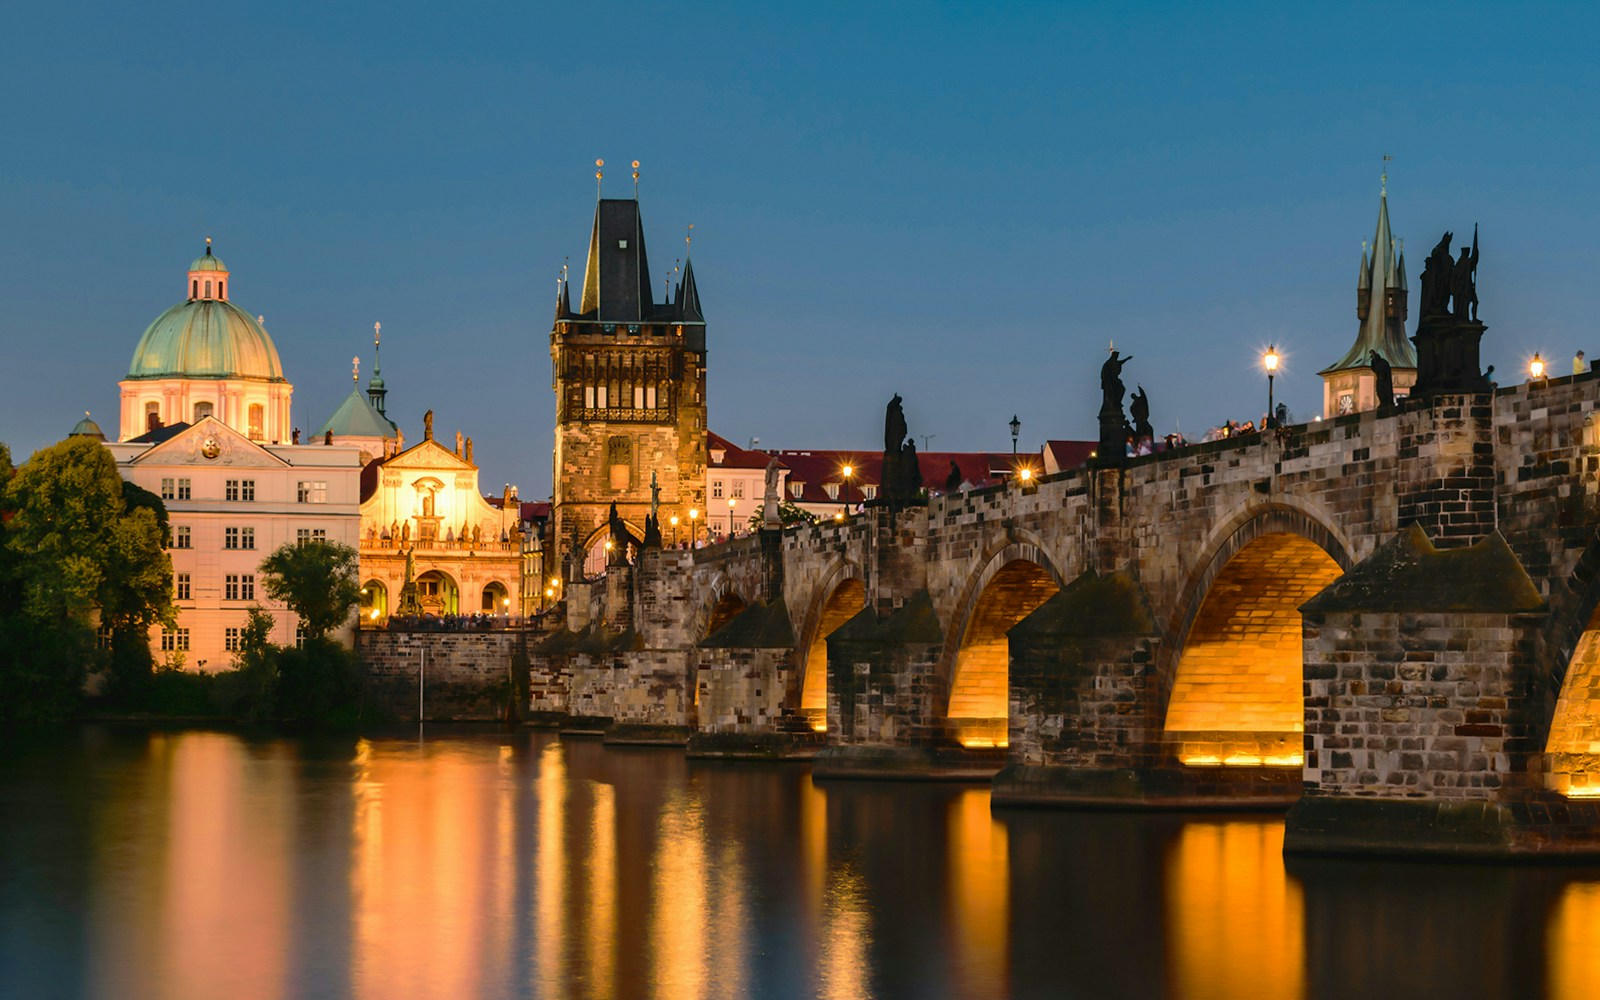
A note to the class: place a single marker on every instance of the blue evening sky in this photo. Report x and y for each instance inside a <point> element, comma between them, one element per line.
<point>959,203</point>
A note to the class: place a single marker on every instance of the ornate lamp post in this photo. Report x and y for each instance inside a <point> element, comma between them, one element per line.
<point>1270,360</point>
<point>694,513</point>
<point>731,503</point>
<point>674,520</point>
<point>1016,428</point>
<point>844,497</point>
<point>1536,366</point>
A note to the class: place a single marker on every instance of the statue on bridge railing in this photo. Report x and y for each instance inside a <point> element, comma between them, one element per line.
<point>1448,330</point>
<point>1140,409</point>
<point>902,475</point>
<point>1114,429</point>
<point>1384,374</point>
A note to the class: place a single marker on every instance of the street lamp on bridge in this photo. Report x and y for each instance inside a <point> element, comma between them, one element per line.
<point>1016,428</point>
<point>1270,360</point>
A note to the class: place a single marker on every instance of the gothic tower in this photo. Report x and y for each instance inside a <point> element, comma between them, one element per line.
<point>1349,385</point>
<point>630,382</point>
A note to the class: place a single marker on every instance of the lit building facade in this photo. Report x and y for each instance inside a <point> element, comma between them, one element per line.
<point>206,425</point>
<point>467,554</point>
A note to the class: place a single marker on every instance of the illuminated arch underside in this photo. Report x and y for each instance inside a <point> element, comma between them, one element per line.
<point>1572,752</point>
<point>847,600</point>
<point>980,692</point>
<point>1237,696</point>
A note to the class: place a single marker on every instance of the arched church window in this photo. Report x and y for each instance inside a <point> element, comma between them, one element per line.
<point>257,413</point>
<point>202,411</point>
<point>208,288</point>
<point>152,416</point>
<point>222,289</point>
<point>194,288</point>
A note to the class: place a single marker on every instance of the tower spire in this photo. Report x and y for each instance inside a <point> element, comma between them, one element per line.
<point>376,390</point>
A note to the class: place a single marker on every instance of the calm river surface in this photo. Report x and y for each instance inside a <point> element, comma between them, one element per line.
<point>197,864</point>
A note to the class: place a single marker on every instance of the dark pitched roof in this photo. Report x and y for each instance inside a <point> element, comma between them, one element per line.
<point>616,279</point>
<point>1409,573</point>
<point>160,434</point>
<point>689,297</point>
<point>760,626</point>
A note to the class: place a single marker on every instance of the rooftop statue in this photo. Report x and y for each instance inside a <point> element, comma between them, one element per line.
<point>1464,282</point>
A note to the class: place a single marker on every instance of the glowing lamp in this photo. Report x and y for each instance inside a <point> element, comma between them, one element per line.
<point>1270,359</point>
<point>1536,366</point>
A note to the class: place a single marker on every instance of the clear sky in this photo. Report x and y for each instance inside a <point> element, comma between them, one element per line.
<point>960,203</point>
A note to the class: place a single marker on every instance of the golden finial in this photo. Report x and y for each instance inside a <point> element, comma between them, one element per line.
<point>635,180</point>
<point>208,241</point>
<point>355,369</point>
<point>688,238</point>
<point>377,333</point>
<point>86,414</point>
<point>598,174</point>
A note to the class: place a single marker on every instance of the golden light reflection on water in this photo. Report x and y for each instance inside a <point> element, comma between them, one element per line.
<point>602,943</point>
<point>1235,919</point>
<point>979,898</point>
<point>224,919</point>
<point>550,868</point>
<point>1571,957</point>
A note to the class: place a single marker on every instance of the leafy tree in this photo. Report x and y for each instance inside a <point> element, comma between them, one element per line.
<point>72,550</point>
<point>317,579</point>
<point>788,514</point>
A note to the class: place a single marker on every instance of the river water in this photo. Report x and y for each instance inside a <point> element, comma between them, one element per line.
<point>464,864</point>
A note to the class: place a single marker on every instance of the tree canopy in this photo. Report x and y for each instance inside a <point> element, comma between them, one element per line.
<point>317,579</point>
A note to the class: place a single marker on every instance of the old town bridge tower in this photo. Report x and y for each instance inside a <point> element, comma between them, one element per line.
<point>630,382</point>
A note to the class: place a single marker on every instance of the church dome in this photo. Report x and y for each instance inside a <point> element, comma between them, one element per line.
<point>207,336</point>
<point>87,428</point>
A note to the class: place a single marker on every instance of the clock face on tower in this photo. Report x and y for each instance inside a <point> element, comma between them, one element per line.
<point>211,447</point>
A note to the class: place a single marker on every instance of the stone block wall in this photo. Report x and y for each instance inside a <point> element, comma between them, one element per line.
<point>1084,703</point>
<point>1408,705</point>
<point>884,695</point>
<point>743,690</point>
<point>467,677</point>
<point>653,687</point>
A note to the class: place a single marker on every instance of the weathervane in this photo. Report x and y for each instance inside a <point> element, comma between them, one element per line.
<point>598,174</point>
<point>1384,180</point>
<point>355,369</point>
<point>635,180</point>
<point>688,238</point>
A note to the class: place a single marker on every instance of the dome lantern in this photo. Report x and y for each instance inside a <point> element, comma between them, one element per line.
<point>208,276</point>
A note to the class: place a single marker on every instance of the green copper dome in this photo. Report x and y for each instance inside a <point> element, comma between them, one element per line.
<point>206,338</point>
<point>87,428</point>
<point>207,262</point>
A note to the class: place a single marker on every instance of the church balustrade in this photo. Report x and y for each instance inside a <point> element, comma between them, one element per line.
<point>378,544</point>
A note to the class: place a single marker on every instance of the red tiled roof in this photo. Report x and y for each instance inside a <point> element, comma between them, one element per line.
<point>1071,454</point>
<point>734,457</point>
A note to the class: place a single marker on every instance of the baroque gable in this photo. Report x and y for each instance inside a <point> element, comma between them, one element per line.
<point>211,442</point>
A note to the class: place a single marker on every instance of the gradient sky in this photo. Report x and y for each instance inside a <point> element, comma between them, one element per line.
<point>961,204</point>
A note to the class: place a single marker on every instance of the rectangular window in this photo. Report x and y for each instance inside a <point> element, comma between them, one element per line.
<point>102,637</point>
<point>230,639</point>
<point>716,489</point>
<point>230,538</point>
<point>588,397</point>
<point>180,537</point>
<point>650,397</point>
<point>870,492</point>
<point>304,535</point>
<point>247,587</point>
<point>184,586</point>
<point>600,397</point>
<point>183,489</point>
<point>168,490</point>
<point>738,488</point>
<point>174,640</point>
<point>299,635</point>
<point>832,490</point>
<point>311,492</point>
<point>247,538</point>
<point>183,640</point>
<point>247,490</point>
<point>796,489</point>
<point>231,490</point>
<point>638,397</point>
<point>230,587</point>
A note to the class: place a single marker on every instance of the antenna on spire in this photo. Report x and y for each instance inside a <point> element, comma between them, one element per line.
<point>598,175</point>
<point>355,369</point>
<point>1383,181</point>
<point>635,180</point>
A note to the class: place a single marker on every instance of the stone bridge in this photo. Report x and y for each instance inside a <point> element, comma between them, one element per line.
<point>1384,621</point>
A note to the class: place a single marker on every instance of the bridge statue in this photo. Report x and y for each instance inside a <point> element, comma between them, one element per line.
<point>1464,282</point>
<point>770,517</point>
<point>1140,409</point>
<point>1449,331</point>
<point>1385,376</point>
<point>1114,427</point>
<point>901,475</point>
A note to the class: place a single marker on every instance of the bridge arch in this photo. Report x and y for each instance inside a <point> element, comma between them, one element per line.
<point>1232,679</point>
<point>721,603</point>
<point>1012,581</point>
<point>840,596</point>
<point>1570,687</point>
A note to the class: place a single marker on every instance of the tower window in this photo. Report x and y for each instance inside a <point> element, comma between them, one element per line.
<point>600,397</point>
<point>194,288</point>
<point>588,397</point>
<point>208,288</point>
<point>257,413</point>
<point>222,289</point>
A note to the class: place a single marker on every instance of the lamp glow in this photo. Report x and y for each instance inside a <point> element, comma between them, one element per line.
<point>1536,366</point>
